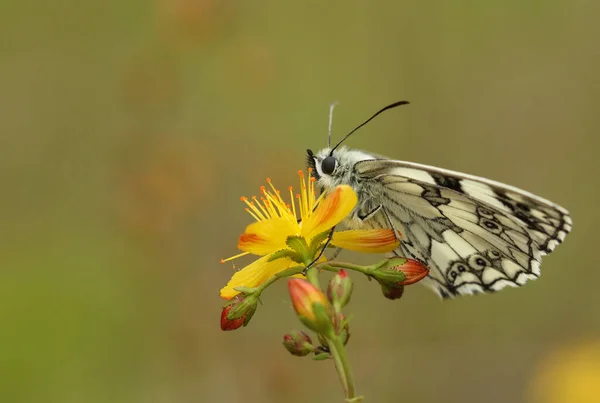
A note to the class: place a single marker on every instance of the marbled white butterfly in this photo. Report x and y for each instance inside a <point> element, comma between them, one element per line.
<point>475,235</point>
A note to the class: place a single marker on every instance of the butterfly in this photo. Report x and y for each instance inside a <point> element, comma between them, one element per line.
<point>474,234</point>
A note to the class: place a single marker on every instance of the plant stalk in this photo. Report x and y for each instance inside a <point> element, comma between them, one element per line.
<point>342,366</point>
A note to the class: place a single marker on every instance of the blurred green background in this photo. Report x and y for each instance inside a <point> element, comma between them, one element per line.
<point>129,129</point>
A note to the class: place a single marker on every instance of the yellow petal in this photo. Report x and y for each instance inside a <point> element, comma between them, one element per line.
<point>371,240</point>
<point>330,211</point>
<point>254,275</point>
<point>267,236</point>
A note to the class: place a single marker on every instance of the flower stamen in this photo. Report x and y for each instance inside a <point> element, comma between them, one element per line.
<point>252,207</point>
<point>275,192</point>
<point>282,209</point>
<point>300,206</point>
<point>293,203</point>
<point>252,214</point>
<point>234,257</point>
<point>260,206</point>
<point>303,195</point>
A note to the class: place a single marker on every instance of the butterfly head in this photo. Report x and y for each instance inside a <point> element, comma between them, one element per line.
<point>335,168</point>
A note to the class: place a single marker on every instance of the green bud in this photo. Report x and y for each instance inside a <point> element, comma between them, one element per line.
<point>242,305</point>
<point>387,275</point>
<point>298,343</point>
<point>339,289</point>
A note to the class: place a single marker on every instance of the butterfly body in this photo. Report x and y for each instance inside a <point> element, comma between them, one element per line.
<point>475,235</point>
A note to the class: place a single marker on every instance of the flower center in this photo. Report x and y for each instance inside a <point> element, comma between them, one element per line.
<point>272,206</point>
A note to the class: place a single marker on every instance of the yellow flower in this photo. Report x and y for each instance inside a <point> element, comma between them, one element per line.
<point>569,374</point>
<point>308,219</point>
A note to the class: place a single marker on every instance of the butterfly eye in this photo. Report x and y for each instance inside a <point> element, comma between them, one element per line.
<point>328,165</point>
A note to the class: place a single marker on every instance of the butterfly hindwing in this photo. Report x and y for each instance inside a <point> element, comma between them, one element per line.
<point>475,235</point>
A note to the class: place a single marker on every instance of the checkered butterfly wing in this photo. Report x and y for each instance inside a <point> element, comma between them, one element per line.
<point>474,234</point>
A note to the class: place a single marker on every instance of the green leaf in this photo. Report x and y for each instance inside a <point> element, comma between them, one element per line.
<point>315,243</point>
<point>322,357</point>
<point>285,253</point>
<point>245,290</point>
<point>297,243</point>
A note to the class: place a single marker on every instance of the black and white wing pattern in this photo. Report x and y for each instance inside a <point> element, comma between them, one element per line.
<point>474,234</point>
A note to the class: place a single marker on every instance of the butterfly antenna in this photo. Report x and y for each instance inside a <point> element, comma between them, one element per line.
<point>395,104</point>
<point>331,108</point>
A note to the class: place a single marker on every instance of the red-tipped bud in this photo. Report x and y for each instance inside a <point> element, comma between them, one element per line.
<point>298,343</point>
<point>310,305</point>
<point>230,324</point>
<point>413,270</point>
<point>398,272</point>
<point>238,312</point>
<point>339,289</point>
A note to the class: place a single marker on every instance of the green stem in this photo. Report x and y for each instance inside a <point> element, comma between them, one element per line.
<point>342,365</point>
<point>312,276</point>
<point>335,266</point>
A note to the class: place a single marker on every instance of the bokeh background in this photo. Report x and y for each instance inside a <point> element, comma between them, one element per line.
<point>129,130</point>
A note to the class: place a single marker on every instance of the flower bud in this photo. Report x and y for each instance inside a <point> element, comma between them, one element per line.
<point>238,312</point>
<point>310,305</point>
<point>298,343</point>
<point>397,272</point>
<point>339,289</point>
<point>414,271</point>
<point>392,292</point>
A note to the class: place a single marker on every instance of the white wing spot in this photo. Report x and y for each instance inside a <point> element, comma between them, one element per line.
<point>500,284</point>
<point>535,267</point>
<point>490,275</point>
<point>511,268</point>
<point>552,244</point>
<point>469,289</point>
<point>523,277</point>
